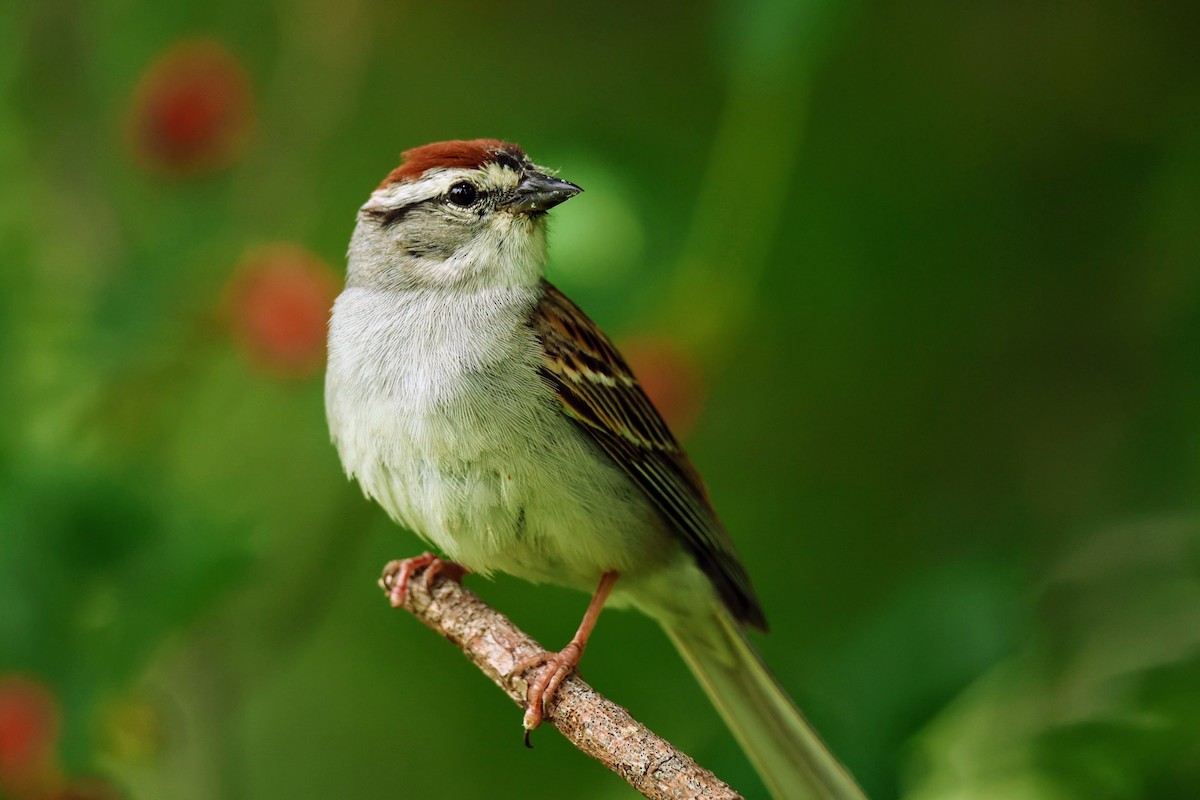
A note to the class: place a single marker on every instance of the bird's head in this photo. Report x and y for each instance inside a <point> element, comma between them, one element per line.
<point>456,214</point>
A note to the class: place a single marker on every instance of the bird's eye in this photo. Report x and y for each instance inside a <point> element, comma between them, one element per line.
<point>462,194</point>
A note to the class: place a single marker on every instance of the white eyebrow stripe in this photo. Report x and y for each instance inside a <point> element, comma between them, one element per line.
<point>435,183</point>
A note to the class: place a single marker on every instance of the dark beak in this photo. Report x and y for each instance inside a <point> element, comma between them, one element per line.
<point>540,192</point>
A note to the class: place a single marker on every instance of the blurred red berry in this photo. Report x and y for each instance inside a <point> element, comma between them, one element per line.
<point>192,111</point>
<point>671,377</point>
<point>279,302</point>
<point>29,727</point>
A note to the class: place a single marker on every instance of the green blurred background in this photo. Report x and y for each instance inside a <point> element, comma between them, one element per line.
<point>919,282</point>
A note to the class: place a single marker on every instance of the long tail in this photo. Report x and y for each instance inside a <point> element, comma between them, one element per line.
<point>793,761</point>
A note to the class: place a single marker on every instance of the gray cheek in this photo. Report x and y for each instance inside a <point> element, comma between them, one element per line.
<point>427,249</point>
<point>433,237</point>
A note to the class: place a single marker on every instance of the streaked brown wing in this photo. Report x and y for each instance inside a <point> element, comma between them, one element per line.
<point>600,393</point>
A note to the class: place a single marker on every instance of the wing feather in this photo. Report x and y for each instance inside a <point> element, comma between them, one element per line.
<point>599,391</point>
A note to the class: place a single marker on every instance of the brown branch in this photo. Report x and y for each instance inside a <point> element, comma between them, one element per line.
<point>591,722</point>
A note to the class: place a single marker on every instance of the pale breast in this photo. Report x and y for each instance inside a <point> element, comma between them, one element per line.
<point>438,410</point>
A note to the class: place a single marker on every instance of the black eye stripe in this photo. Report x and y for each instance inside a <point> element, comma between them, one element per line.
<point>390,216</point>
<point>467,194</point>
<point>509,160</point>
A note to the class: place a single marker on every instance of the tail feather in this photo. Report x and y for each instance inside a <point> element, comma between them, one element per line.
<point>793,761</point>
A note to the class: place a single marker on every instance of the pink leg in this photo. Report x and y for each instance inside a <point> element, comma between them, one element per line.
<point>397,574</point>
<point>560,665</point>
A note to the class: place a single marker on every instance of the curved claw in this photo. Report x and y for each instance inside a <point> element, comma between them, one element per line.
<point>543,688</point>
<point>398,573</point>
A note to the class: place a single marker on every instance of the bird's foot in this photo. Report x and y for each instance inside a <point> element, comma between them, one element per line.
<point>397,574</point>
<point>556,667</point>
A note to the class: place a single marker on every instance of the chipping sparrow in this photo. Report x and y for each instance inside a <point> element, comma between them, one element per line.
<point>482,409</point>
